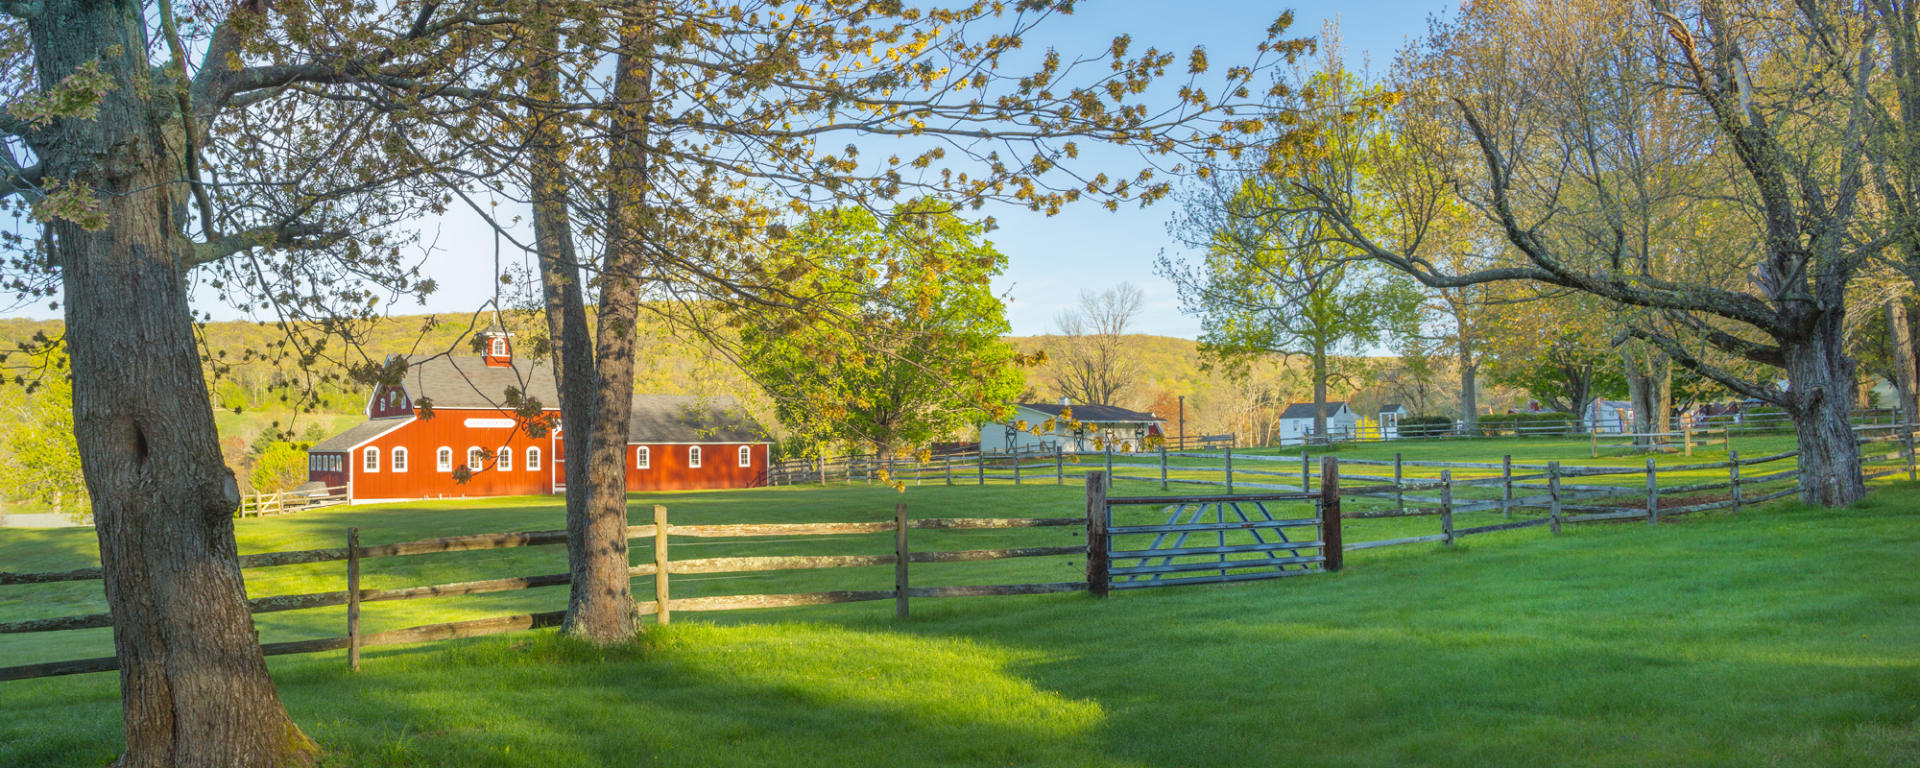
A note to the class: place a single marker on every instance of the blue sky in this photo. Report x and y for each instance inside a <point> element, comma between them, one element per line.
<point>1050,258</point>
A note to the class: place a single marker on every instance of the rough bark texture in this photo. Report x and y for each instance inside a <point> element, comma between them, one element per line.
<point>1469,391</point>
<point>1320,391</point>
<point>193,684</point>
<point>1821,377</point>
<point>1649,375</point>
<point>601,606</point>
<point>1900,339</point>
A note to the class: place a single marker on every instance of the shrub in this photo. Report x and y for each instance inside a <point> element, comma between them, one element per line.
<point>1425,426</point>
<point>1533,423</point>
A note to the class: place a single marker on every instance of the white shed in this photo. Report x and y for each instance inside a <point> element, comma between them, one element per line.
<point>1390,416</point>
<point>1608,416</point>
<point>1296,422</point>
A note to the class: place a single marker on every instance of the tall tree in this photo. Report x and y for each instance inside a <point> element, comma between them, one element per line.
<point>1267,286</point>
<point>1090,363</point>
<point>146,168</point>
<point>1594,149</point>
<point>902,340</point>
<point>1556,346</point>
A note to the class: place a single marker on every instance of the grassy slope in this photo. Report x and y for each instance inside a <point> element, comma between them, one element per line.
<point>1729,640</point>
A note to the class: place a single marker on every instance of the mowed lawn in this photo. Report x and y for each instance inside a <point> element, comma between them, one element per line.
<point>1780,636</point>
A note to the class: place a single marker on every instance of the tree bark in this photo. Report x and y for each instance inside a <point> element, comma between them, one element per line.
<point>601,608</point>
<point>1319,391</point>
<point>1469,391</point>
<point>1649,374</point>
<point>1820,374</point>
<point>194,688</point>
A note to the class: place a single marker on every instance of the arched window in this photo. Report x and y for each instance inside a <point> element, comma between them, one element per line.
<point>444,458</point>
<point>533,458</point>
<point>506,458</point>
<point>693,456</point>
<point>371,460</point>
<point>642,458</point>
<point>746,456</point>
<point>499,346</point>
<point>399,459</point>
<point>476,459</point>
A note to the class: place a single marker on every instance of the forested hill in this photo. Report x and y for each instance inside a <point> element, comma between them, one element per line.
<point>1163,367</point>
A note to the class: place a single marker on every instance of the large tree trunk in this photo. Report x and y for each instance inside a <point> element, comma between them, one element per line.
<point>588,555</point>
<point>194,688</point>
<point>1649,374</point>
<point>1319,392</point>
<point>1820,374</point>
<point>601,609</point>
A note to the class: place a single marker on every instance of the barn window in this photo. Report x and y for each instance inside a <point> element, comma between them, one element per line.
<point>372,459</point>
<point>399,459</point>
<point>506,458</point>
<point>533,459</point>
<point>444,458</point>
<point>642,458</point>
<point>499,347</point>
<point>746,456</point>
<point>476,459</point>
<point>693,456</point>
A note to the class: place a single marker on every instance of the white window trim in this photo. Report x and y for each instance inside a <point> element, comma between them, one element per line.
<point>443,459</point>
<point>476,456</point>
<point>642,458</point>
<point>503,458</point>
<point>370,459</point>
<point>693,456</point>
<point>533,458</point>
<point>499,347</point>
<point>746,456</point>
<point>399,459</point>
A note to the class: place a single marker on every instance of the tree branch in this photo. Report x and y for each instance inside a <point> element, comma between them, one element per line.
<point>288,235</point>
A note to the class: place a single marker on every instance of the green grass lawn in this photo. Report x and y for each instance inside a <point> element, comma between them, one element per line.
<point>1780,636</point>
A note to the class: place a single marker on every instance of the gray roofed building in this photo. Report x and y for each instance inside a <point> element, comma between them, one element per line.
<point>360,433</point>
<point>466,382</point>
<point>691,419</point>
<point>1092,413</point>
<point>1305,410</point>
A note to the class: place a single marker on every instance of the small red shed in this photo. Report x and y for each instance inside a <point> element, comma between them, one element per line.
<point>449,413</point>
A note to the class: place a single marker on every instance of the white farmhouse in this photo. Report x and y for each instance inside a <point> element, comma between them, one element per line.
<point>1296,422</point>
<point>1100,425</point>
<point>1608,416</point>
<point>1390,416</point>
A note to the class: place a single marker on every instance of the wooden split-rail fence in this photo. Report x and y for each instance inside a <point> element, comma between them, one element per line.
<point>287,502</point>
<point>1254,544</point>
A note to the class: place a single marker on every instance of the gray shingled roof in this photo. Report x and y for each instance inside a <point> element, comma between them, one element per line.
<point>1093,413</point>
<point>361,433</point>
<point>466,382</point>
<point>1391,407</point>
<point>1305,410</point>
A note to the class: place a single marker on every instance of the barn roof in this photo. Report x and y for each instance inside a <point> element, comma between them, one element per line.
<point>467,382</point>
<point>1305,410</point>
<point>1093,413</point>
<point>361,433</point>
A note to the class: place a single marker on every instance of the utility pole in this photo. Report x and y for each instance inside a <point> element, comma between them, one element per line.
<point>1183,422</point>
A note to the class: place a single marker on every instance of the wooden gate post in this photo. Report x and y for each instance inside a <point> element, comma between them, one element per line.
<point>1163,463</point>
<point>1109,462</point>
<point>353,599</point>
<point>1306,472</point>
<point>1653,495</point>
<point>1098,577</point>
<point>1506,485</point>
<point>1733,475</point>
<point>1229,470</point>
<point>1399,495</point>
<point>1446,505</point>
<point>1553,494</point>
<point>1333,549</point>
<point>661,599</point>
<point>900,560</point>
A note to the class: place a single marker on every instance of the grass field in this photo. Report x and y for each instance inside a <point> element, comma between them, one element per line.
<point>1780,636</point>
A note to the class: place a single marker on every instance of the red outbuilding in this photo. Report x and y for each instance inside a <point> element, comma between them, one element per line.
<point>447,431</point>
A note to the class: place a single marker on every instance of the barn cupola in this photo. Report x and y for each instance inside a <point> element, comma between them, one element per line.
<point>496,347</point>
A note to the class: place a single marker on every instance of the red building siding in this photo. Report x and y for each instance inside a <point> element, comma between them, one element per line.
<point>669,468</point>
<point>389,402</point>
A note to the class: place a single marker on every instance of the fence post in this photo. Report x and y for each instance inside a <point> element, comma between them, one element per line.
<point>1910,461</point>
<point>1016,466</point>
<point>353,599</point>
<point>1553,494</point>
<point>1059,464</point>
<point>1593,435</point>
<point>1332,548</point>
<point>1229,470</point>
<point>1506,485</point>
<point>1097,575</point>
<point>1163,462</point>
<point>1653,495</point>
<point>661,600</point>
<point>1446,505</point>
<point>1109,462</point>
<point>1733,475</point>
<point>1306,472</point>
<point>900,560</point>
<point>1686,432</point>
<point>949,458</point>
<point>1399,496</point>
<point>980,465</point>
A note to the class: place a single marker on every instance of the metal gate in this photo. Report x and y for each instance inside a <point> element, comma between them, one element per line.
<point>1210,539</point>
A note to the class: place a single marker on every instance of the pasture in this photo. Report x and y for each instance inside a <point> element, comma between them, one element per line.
<point>1779,636</point>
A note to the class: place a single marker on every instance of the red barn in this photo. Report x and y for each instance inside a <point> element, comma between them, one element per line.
<point>450,413</point>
